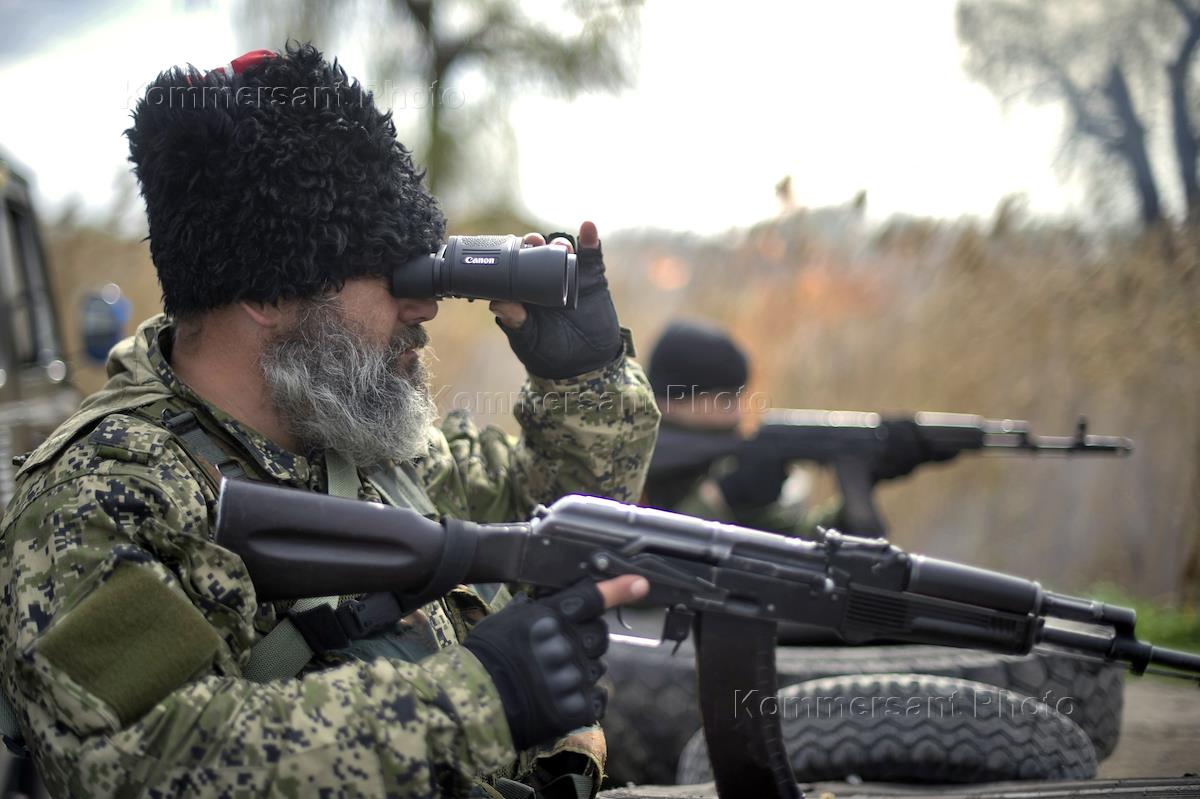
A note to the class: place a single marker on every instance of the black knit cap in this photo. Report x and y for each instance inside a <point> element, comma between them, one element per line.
<point>273,178</point>
<point>696,357</point>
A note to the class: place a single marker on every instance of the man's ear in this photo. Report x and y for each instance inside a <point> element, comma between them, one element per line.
<point>266,315</point>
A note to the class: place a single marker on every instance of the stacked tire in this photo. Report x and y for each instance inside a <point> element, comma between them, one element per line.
<point>924,729</point>
<point>653,712</point>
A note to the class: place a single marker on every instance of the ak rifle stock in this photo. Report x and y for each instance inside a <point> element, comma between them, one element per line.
<point>863,448</point>
<point>731,585</point>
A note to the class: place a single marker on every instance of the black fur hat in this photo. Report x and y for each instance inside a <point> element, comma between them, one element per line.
<point>272,178</point>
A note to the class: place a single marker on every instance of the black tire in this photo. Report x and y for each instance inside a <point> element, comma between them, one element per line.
<point>651,712</point>
<point>939,730</point>
<point>1090,693</point>
<point>652,708</point>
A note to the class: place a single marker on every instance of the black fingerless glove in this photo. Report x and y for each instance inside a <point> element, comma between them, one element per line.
<point>756,482</point>
<point>558,343</point>
<point>543,656</point>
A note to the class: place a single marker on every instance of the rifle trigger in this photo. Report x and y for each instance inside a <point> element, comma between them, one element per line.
<point>621,619</point>
<point>677,625</point>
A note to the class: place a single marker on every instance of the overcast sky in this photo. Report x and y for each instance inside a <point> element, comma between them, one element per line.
<point>841,96</point>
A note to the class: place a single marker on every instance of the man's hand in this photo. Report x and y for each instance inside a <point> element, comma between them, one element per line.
<point>756,482</point>
<point>560,343</point>
<point>906,450</point>
<point>513,314</point>
<point>544,656</point>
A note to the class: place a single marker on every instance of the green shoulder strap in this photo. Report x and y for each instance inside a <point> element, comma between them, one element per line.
<point>202,445</point>
<point>401,489</point>
<point>195,439</point>
<point>283,652</point>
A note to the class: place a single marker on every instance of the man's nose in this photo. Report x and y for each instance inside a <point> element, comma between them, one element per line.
<point>414,312</point>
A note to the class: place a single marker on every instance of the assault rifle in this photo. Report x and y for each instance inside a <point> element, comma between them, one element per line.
<point>731,585</point>
<point>864,448</point>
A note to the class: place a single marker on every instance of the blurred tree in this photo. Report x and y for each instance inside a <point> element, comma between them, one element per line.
<point>434,45</point>
<point>1116,66</point>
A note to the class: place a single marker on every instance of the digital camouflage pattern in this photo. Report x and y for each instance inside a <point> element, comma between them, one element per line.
<point>113,491</point>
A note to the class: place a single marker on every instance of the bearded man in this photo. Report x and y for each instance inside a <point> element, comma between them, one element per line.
<point>137,658</point>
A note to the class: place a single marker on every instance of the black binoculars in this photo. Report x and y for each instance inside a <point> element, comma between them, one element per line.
<point>491,268</point>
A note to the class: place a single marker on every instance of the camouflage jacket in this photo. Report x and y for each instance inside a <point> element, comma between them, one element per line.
<point>126,627</point>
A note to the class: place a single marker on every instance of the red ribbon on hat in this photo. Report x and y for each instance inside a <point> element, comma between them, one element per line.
<point>243,62</point>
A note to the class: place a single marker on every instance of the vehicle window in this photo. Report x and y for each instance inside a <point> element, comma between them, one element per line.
<point>15,292</point>
<point>26,291</point>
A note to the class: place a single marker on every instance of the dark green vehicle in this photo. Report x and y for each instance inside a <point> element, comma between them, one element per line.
<point>35,395</point>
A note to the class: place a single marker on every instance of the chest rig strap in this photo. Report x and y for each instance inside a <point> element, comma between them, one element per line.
<point>314,624</point>
<point>187,429</point>
<point>323,624</point>
<point>329,626</point>
<point>318,624</point>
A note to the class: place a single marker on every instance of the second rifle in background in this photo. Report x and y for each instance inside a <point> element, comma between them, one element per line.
<point>864,448</point>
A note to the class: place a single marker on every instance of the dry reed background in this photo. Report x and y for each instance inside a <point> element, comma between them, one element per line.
<point>1007,319</point>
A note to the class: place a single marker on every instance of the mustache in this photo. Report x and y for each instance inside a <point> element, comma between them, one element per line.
<point>409,338</point>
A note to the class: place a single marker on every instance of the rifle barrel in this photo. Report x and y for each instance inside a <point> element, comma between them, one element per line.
<point>1065,445</point>
<point>1119,649</point>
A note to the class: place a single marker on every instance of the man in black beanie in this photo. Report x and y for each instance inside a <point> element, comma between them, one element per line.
<point>137,657</point>
<point>699,376</point>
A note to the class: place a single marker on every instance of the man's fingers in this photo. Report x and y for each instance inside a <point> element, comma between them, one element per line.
<point>564,243</point>
<point>533,240</point>
<point>589,237</point>
<point>510,314</point>
<point>623,589</point>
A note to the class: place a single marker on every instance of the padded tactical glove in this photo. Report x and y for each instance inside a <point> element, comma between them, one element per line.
<point>757,481</point>
<point>543,656</point>
<point>558,343</point>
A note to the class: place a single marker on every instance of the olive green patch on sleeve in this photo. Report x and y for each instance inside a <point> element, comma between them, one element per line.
<point>131,643</point>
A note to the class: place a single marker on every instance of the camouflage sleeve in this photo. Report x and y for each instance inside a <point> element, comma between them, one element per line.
<point>591,434</point>
<point>126,628</point>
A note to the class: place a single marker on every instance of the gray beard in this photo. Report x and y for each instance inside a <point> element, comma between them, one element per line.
<point>336,390</point>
